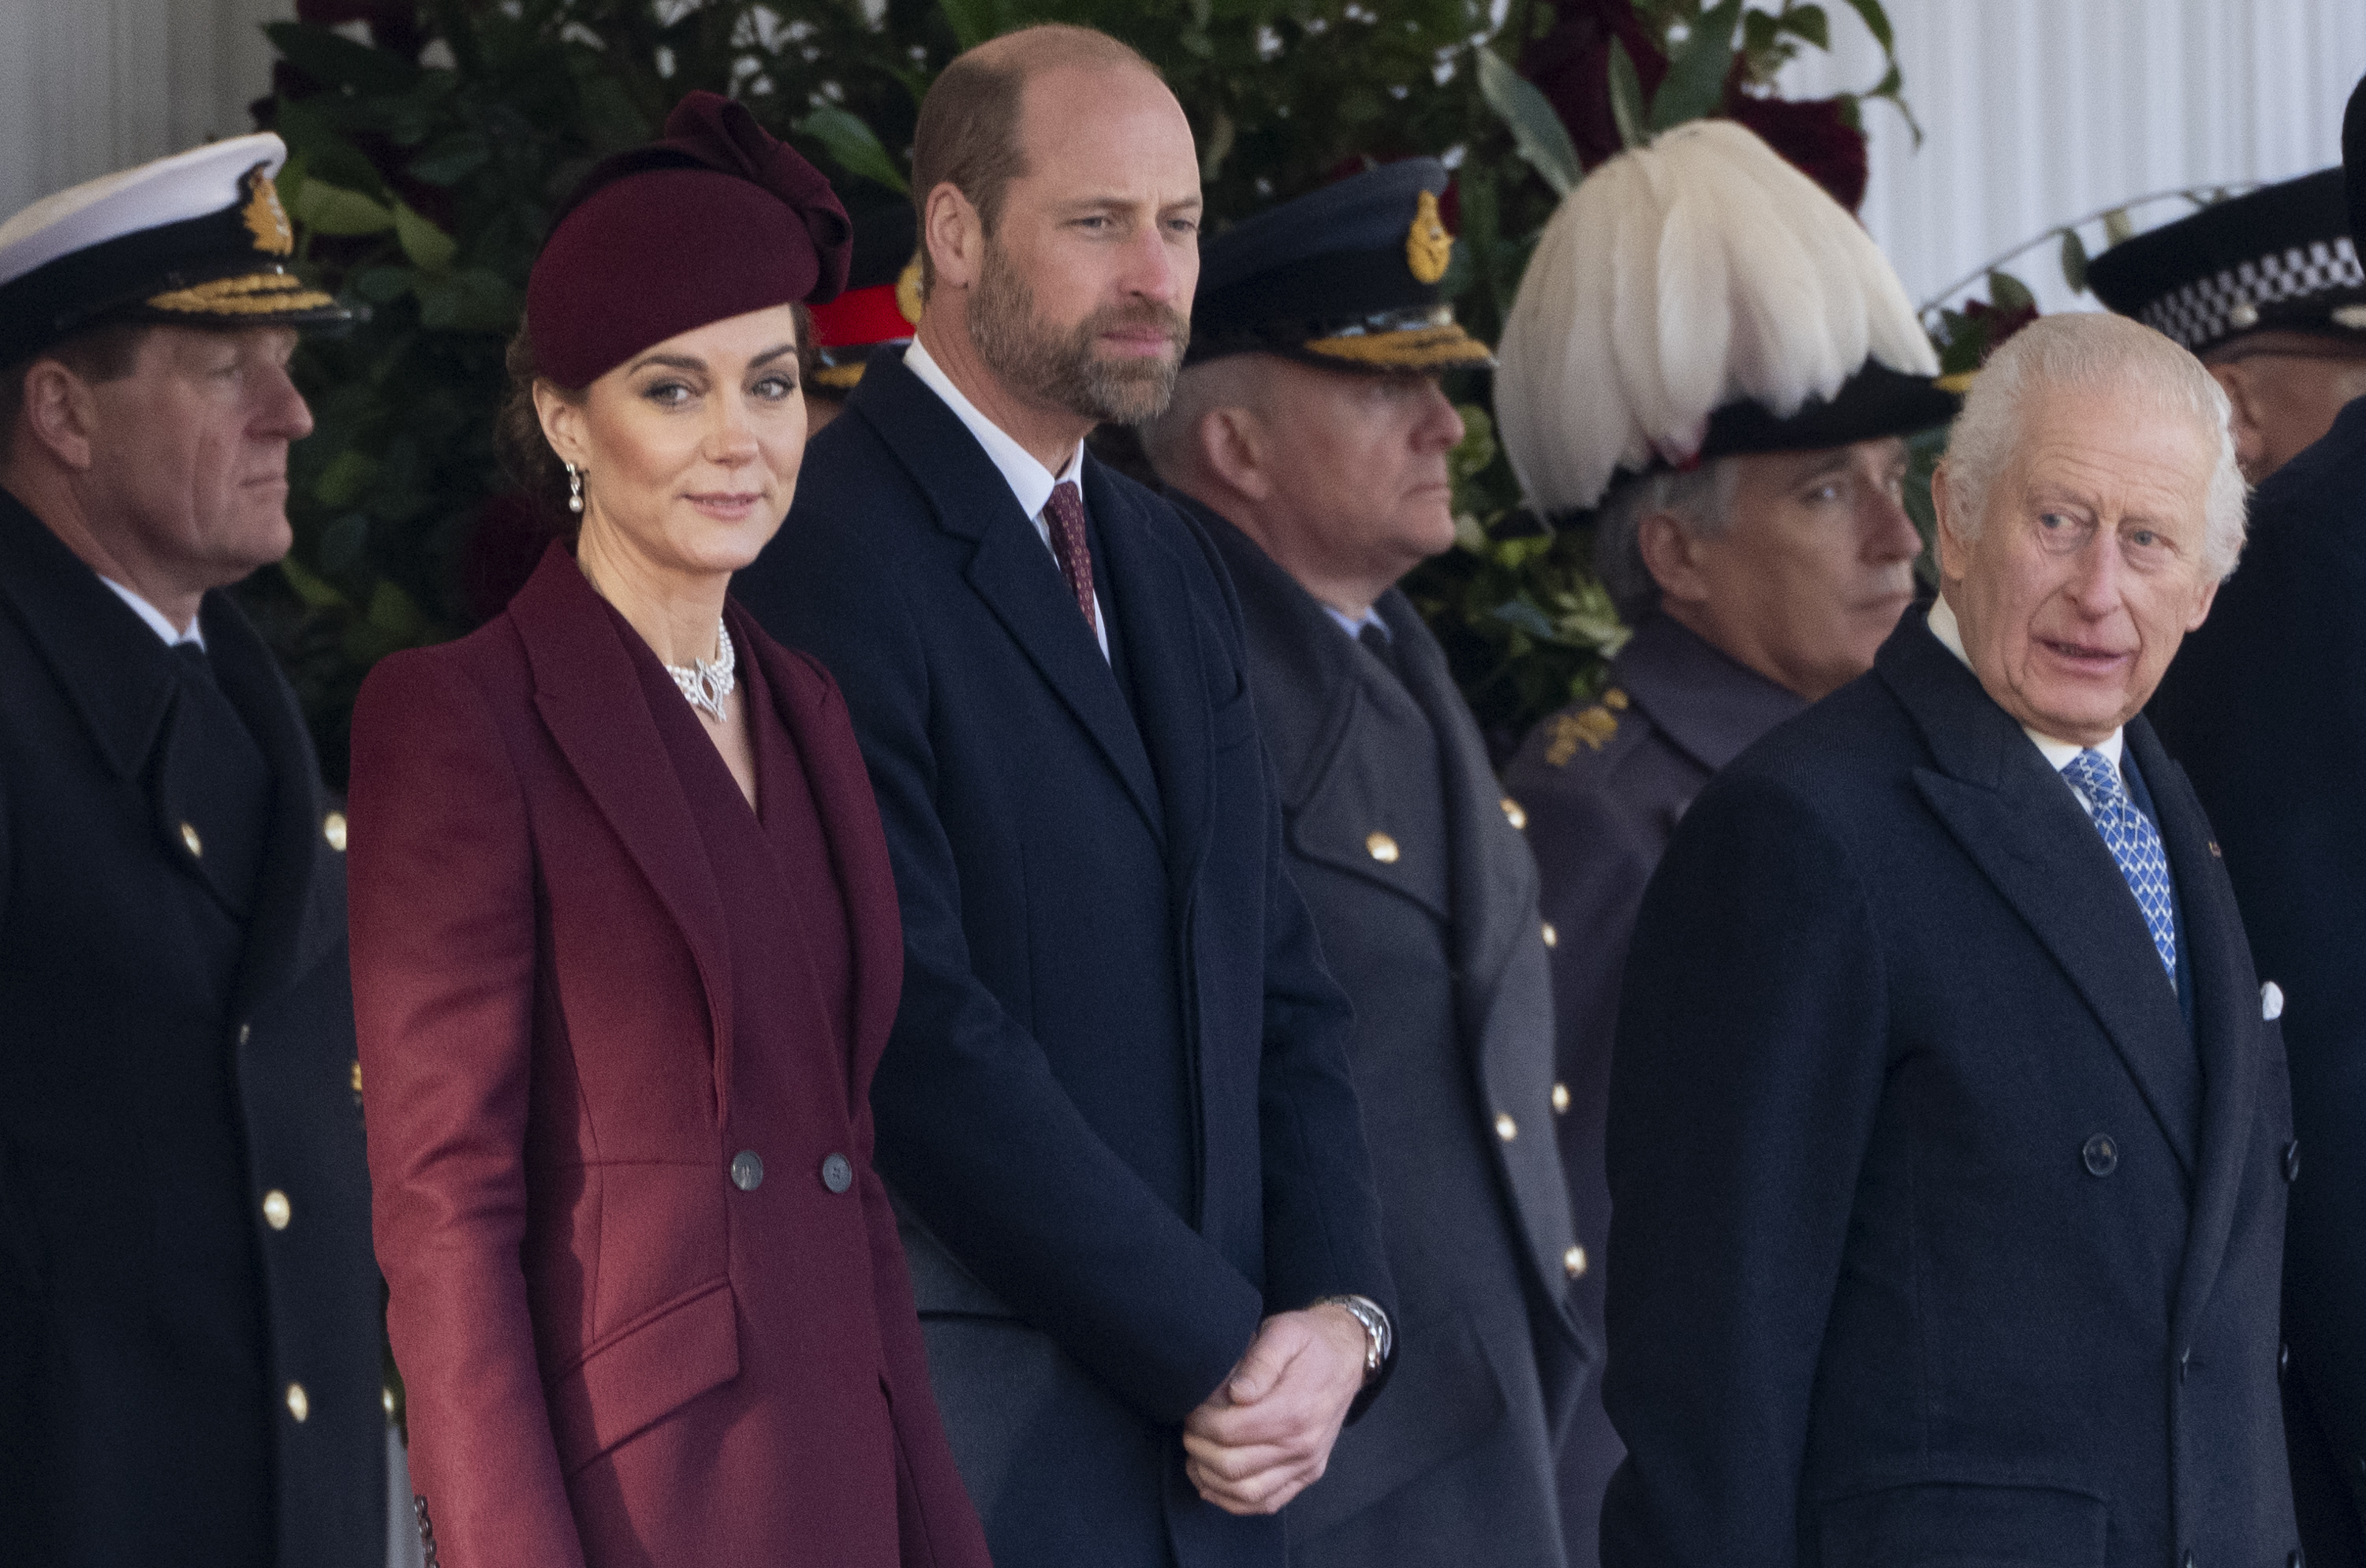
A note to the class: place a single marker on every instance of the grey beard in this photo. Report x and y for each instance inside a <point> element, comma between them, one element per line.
<point>1061,369</point>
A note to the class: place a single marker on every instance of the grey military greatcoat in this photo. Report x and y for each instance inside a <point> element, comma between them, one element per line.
<point>1425,896</point>
<point>1603,785</point>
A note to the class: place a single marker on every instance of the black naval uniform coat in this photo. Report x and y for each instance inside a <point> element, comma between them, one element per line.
<point>1117,1101</point>
<point>2266,707</point>
<point>1943,1237</point>
<point>184,1204</point>
<point>1424,896</point>
<point>1603,785</point>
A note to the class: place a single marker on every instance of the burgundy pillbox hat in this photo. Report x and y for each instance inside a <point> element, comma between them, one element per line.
<point>717,219</point>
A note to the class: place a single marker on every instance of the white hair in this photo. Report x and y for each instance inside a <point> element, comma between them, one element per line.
<point>1171,438</point>
<point>2092,351</point>
<point>1700,500</point>
<point>1675,279</point>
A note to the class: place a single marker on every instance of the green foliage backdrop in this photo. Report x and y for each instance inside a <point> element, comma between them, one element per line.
<point>430,140</point>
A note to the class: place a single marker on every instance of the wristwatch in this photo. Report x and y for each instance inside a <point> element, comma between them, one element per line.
<point>1379,1338</point>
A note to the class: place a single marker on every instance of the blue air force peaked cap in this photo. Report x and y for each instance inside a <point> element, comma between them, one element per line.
<point>1346,278</point>
<point>198,239</point>
<point>2279,258</point>
<point>2353,157</point>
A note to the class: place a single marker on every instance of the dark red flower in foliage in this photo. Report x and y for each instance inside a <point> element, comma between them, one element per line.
<point>1571,65</point>
<point>1813,136</point>
<point>1998,322</point>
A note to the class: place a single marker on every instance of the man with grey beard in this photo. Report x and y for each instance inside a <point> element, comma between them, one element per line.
<point>1116,1108</point>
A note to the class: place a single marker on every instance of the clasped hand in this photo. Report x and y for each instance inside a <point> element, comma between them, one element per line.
<point>1265,1435</point>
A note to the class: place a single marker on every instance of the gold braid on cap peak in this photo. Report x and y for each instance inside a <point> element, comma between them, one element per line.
<point>251,294</point>
<point>1418,350</point>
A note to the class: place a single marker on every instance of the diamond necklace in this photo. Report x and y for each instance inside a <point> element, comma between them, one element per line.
<point>706,682</point>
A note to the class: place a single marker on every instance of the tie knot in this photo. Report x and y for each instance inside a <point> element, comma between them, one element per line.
<point>1067,504</point>
<point>2095,778</point>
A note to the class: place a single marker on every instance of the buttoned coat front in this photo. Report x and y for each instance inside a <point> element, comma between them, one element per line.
<point>1939,1239</point>
<point>182,1379</point>
<point>1425,896</point>
<point>1118,1104</point>
<point>586,1183</point>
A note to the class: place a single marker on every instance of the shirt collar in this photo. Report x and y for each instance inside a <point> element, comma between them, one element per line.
<point>155,618</point>
<point>2058,752</point>
<point>1031,482</point>
<point>1353,625</point>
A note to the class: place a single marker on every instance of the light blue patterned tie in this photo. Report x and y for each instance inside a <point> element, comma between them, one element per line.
<point>2134,845</point>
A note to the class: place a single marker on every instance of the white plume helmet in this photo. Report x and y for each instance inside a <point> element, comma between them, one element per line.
<point>1675,279</point>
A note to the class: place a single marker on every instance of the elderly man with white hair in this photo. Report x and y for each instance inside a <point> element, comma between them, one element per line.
<point>1949,1136</point>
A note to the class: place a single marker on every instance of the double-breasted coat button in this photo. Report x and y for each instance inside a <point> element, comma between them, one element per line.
<point>1506,1128</point>
<point>245,1033</point>
<point>747,1170</point>
<point>275,1211</point>
<point>2102,1154</point>
<point>1573,1263</point>
<point>299,1404</point>
<point>838,1173</point>
<point>1514,814</point>
<point>2291,1161</point>
<point>191,842</point>
<point>1561,1099</point>
<point>1382,848</point>
<point>1553,937</point>
<point>332,827</point>
<point>2272,1002</point>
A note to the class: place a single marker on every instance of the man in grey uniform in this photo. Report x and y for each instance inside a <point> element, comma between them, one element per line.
<point>1760,568</point>
<point>1308,437</point>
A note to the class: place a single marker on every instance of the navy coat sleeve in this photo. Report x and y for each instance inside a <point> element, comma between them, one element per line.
<point>1740,1111</point>
<point>976,1132</point>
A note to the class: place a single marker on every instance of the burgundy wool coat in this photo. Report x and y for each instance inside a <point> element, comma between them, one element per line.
<point>647,1293</point>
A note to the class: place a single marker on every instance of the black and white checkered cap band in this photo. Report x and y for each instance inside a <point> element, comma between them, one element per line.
<point>2208,308</point>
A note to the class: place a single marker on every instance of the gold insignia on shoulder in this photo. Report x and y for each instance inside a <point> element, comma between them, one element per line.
<point>1428,247</point>
<point>1588,728</point>
<point>265,218</point>
<point>1615,700</point>
<point>907,289</point>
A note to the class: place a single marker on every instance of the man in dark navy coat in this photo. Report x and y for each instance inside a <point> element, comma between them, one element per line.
<point>1310,435</point>
<point>1948,1140</point>
<point>1117,1105</point>
<point>2267,710</point>
<point>189,1330</point>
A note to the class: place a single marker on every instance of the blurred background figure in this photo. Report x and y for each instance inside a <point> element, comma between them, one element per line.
<point>1708,353</point>
<point>2267,290</point>
<point>879,310</point>
<point>2266,707</point>
<point>1308,437</point>
<point>1949,1131</point>
<point>189,1337</point>
<point>627,950</point>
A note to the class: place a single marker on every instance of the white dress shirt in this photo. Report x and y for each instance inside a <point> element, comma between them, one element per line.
<point>1031,482</point>
<point>155,618</point>
<point>1353,625</point>
<point>2058,752</point>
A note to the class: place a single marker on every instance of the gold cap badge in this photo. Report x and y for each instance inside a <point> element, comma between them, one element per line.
<point>265,218</point>
<point>1428,247</point>
<point>907,289</point>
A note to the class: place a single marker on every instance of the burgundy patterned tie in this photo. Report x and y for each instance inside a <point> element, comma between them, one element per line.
<point>1065,514</point>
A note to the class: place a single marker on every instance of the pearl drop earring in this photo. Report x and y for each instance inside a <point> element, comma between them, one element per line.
<point>574,488</point>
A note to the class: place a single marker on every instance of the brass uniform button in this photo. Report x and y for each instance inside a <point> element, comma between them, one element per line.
<point>1383,848</point>
<point>385,1399</point>
<point>1553,937</point>
<point>275,1211</point>
<point>357,1078</point>
<point>1573,1263</point>
<point>190,841</point>
<point>1561,1099</point>
<point>1513,814</point>
<point>332,827</point>
<point>1506,1128</point>
<point>299,1404</point>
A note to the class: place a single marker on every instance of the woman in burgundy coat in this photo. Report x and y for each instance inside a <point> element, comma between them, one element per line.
<point>626,952</point>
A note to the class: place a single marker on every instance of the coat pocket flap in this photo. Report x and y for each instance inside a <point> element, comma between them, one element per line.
<point>651,1366</point>
<point>1954,1525</point>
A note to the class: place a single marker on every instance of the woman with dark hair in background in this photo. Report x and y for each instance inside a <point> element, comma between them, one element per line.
<point>626,952</point>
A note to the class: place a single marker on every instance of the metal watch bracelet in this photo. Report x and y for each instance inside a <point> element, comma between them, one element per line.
<point>1380,1337</point>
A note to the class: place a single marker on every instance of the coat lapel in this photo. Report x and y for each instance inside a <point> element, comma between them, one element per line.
<point>849,825</point>
<point>1151,604</point>
<point>590,697</point>
<point>2226,1018</point>
<point>2024,829</point>
<point>1011,569</point>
